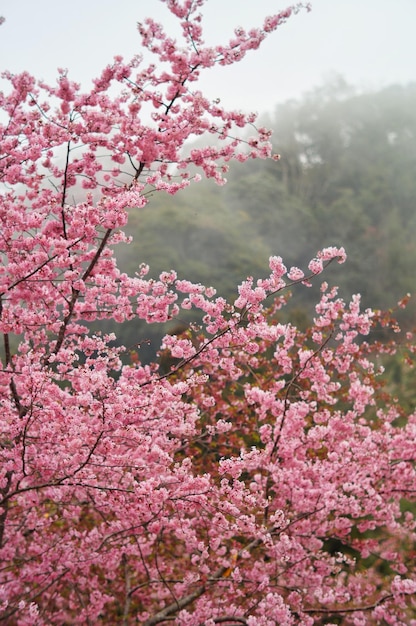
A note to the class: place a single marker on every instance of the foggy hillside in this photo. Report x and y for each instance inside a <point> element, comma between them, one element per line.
<point>346,177</point>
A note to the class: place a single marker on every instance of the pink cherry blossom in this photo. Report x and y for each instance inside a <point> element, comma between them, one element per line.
<point>266,477</point>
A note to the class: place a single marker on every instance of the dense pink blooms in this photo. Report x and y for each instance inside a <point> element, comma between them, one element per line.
<point>260,480</point>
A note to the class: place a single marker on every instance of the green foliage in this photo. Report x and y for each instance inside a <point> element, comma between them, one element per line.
<point>346,177</point>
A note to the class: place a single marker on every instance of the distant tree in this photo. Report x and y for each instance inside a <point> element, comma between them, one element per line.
<point>356,156</point>
<point>261,480</point>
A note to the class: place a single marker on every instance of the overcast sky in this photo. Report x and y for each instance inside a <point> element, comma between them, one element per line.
<point>369,42</point>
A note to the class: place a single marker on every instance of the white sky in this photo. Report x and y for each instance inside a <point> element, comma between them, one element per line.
<point>371,43</point>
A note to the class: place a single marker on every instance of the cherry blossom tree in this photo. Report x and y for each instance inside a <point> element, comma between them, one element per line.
<point>267,478</point>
